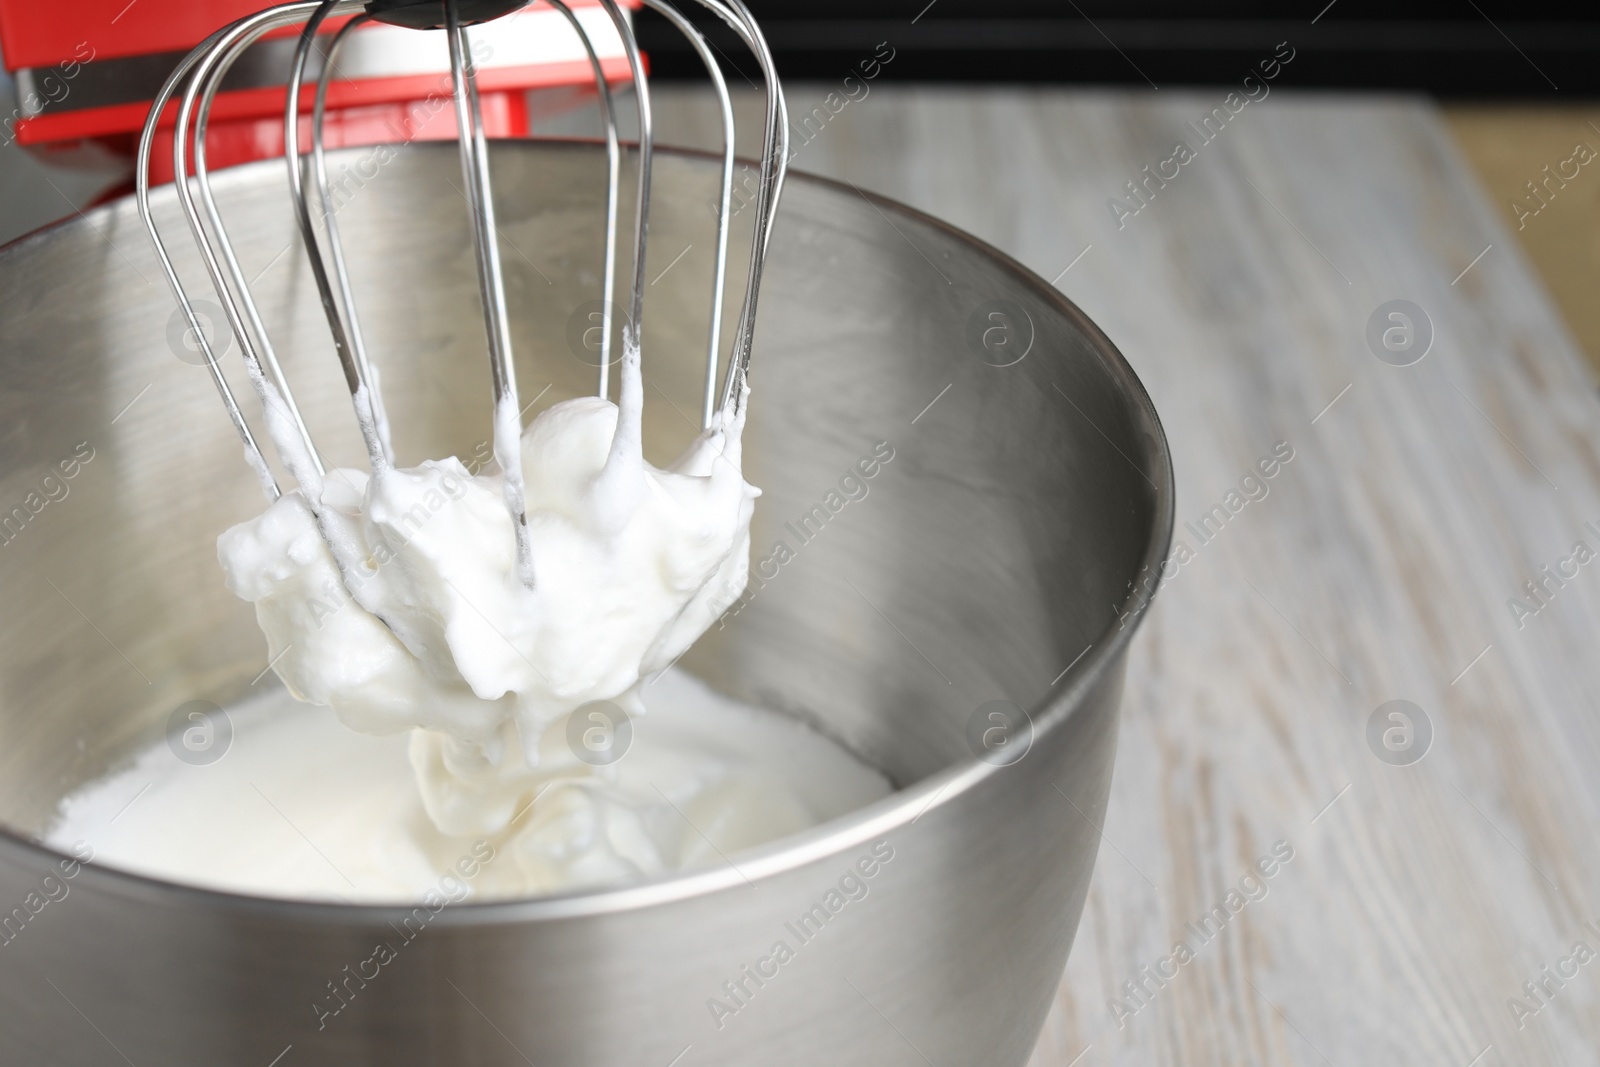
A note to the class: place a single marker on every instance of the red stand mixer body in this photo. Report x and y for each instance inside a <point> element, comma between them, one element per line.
<point>86,73</point>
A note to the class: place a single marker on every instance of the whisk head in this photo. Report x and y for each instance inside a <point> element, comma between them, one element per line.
<point>194,84</point>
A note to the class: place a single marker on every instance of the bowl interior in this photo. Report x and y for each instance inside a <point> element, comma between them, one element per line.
<point>961,478</point>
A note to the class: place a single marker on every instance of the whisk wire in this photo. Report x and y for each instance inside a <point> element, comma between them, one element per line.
<point>608,119</point>
<point>641,88</point>
<point>252,450</point>
<point>774,166</point>
<point>491,282</point>
<point>330,225</point>
<point>356,380</point>
<point>240,287</point>
<point>724,206</point>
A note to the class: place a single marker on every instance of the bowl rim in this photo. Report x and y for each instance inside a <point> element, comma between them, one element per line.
<point>831,838</point>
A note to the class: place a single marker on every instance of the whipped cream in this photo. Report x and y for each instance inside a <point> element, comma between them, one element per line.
<point>407,611</point>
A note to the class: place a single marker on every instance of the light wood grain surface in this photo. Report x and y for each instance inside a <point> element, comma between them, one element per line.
<point>1419,899</point>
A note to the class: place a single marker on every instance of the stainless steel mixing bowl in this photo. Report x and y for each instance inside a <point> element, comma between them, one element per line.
<point>996,545</point>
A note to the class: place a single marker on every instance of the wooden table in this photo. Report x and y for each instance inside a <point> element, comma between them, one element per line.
<point>1419,499</point>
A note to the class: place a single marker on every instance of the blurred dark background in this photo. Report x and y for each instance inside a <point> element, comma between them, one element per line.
<point>1460,49</point>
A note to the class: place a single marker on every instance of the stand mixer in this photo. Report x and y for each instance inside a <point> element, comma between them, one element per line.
<point>980,871</point>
